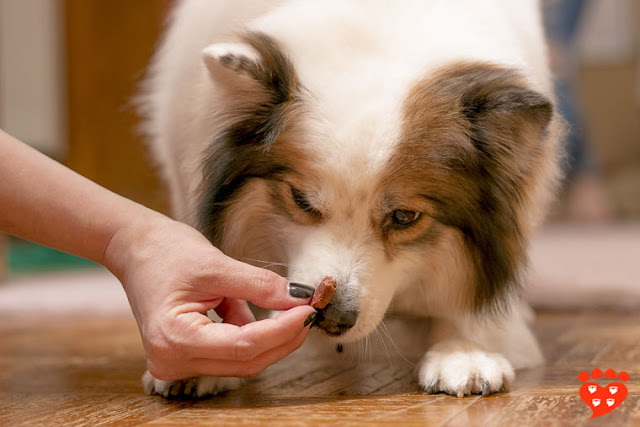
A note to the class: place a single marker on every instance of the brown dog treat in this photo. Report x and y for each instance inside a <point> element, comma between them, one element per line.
<point>324,292</point>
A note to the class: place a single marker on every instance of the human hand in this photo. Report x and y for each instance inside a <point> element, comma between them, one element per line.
<point>172,276</point>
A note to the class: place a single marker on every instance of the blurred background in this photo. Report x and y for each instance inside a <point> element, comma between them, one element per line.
<point>69,69</point>
<point>68,72</point>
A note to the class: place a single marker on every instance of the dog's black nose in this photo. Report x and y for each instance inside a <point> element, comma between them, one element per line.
<point>336,320</point>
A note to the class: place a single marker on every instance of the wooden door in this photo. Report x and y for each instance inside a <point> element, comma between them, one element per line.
<point>108,46</point>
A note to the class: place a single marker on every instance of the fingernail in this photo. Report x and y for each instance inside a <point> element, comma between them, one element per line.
<point>298,290</point>
<point>310,318</point>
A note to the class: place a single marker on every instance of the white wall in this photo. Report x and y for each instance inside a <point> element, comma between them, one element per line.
<point>32,105</point>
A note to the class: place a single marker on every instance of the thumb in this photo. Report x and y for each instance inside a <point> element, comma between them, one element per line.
<point>261,287</point>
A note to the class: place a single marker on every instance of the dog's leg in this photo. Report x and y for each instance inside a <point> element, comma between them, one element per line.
<point>471,356</point>
<point>193,387</point>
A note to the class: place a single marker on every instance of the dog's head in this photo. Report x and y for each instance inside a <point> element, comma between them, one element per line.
<point>433,190</point>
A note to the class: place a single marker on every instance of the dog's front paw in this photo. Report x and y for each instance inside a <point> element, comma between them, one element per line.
<point>459,368</point>
<point>192,387</point>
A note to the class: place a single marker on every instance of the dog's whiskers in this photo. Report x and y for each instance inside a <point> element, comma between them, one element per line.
<point>367,350</point>
<point>387,334</point>
<point>265,263</point>
<point>384,345</point>
<point>363,349</point>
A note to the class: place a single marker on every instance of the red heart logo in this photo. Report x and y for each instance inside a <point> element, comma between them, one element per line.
<point>603,400</point>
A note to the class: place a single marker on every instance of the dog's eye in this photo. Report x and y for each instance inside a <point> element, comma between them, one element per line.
<point>404,217</point>
<point>301,201</point>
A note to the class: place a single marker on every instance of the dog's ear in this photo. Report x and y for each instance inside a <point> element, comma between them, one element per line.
<point>497,161</point>
<point>259,91</point>
<point>232,66</point>
<point>507,128</point>
<point>256,66</point>
<point>508,120</point>
<point>259,87</point>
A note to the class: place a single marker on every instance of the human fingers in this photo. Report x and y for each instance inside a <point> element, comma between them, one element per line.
<point>247,368</point>
<point>229,342</point>
<point>235,312</point>
<point>264,288</point>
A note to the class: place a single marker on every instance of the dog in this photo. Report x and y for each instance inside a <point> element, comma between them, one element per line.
<point>409,149</point>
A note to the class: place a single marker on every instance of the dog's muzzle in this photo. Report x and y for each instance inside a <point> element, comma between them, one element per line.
<point>337,317</point>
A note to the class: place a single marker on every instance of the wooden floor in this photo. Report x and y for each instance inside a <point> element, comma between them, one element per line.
<point>86,371</point>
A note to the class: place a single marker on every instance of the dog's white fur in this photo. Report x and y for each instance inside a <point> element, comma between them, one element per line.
<point>357,60</point>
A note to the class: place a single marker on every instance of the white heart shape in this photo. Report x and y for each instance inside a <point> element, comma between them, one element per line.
<point>595,402</point>
<point>613,389</point>
<point>610,402</point>
<point>592,389</point>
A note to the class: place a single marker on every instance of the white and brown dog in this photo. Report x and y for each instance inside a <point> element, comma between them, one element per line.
<point>406,148</point>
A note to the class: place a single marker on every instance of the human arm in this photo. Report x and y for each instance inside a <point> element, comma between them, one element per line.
<point>172,275</point>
